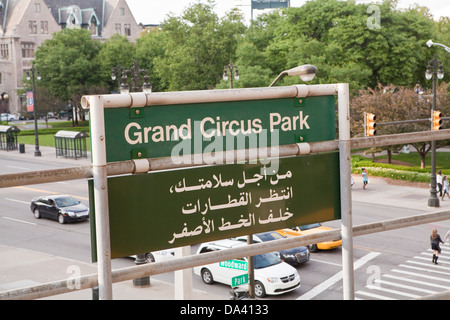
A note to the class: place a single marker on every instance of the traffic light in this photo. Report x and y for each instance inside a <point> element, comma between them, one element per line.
<point>369,124</point>
<point>436,121</point>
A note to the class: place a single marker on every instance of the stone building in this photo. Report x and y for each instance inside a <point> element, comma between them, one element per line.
<point>26,24</point>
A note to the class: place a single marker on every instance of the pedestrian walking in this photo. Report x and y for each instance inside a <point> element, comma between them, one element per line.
<point>445,188</point>
<point>439,182</point>
<point>435,240</point>
<point>365,178</point>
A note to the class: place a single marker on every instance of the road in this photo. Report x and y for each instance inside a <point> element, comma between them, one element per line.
<point>390,265</point>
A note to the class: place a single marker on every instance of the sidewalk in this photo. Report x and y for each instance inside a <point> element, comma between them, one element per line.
<point>21,268</point>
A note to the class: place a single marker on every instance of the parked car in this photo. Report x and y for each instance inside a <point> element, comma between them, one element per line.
<point>156,256</point>
<point>8,117</point>
<point>312,228</point>
<point>272,276</point>
<point>63,208</point>
<point>292,256</point>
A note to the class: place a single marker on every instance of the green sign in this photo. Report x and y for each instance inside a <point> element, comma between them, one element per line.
<point>234,264</point>
<point>239,280</point>
<point>175,130</point>
<point>174,208</point>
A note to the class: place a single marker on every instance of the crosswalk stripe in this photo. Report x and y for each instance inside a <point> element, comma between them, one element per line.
<point>373,295</point>
<point>401,293</point>
<point>399,285</point>
<point>440,260</point>
<point>429,265</point>
<point>416,281</point>
<point>421,275</point>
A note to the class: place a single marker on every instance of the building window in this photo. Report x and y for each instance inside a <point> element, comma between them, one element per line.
<point>118,28</point>
<point>93,26</point>
<point>127,29</point>
<point>27,49</point>
<point>37,7</point>
<point>44,27</point>
<point>4,51</point>
<point>122,11</point>
<point>32,25</point>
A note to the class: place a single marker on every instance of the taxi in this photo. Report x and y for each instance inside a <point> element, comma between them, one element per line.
<point>309,229</point>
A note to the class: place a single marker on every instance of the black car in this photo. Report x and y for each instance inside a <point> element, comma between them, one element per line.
<point>59,207</point>
<point>293,256</point>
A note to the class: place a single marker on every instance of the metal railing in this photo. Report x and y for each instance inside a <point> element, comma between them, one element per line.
<point>129,273</point>
<point>129,167</point>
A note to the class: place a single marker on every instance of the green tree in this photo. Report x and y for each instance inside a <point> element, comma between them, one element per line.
<point>197,46</point>
<point>117,50</point>
<point>68,62</point>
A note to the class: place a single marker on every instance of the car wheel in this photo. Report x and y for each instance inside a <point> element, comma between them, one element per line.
<point>207,276</point>
<point>149,257</point>
<point>260,291</point>
<point>61,219</point>
<point>312,247</point>
<point>36,213</point>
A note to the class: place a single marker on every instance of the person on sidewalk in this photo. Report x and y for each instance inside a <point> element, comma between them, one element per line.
<point>439,182</point>
<point>444,187</point>
<point>435,240</point>
<point>365,178</point>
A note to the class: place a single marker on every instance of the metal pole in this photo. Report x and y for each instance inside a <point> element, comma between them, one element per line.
<point>433,201</point>
<point>346,201</point>
<point>101,198</point>
<point>251,271</point>
<point>37,152</point>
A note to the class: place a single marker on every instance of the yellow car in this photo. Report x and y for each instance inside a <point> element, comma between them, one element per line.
<point>312,228</point>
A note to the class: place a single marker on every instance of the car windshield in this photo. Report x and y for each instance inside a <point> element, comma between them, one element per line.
<point>265,260</point>
<point>309,226</point>
<point>66,202</point>
<point>268,236</point>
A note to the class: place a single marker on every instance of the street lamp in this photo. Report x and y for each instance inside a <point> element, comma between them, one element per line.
<point>135,72</point>
<point>306,72</point>
<point>32,74</point>
<point>229,69</point>
<point>434,71</point>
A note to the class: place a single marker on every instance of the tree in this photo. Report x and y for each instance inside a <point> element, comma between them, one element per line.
<point>394,104</point>
<point>68,62</point>
<point>197,46</point>
<point>335,37</point>
<point>117,50</point>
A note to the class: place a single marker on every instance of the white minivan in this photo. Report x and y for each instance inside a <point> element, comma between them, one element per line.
<point>272,276</point>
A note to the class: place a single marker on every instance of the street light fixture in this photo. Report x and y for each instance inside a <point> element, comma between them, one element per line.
<point>431,43</point>
<point>229,69</point>
<point>32,74</point>
<point>135,72</point>
<point>306,72</point>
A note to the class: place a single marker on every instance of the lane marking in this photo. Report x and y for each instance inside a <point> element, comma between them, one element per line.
<point>19,201</point>
<point>17,220</point>
<point>337,277</point>
<point>50,192</point>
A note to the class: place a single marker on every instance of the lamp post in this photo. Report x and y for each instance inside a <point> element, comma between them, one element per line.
<point>434,71</point>
<point>228,69</point>
<point>32,74</point>
<point>135,72</point>
<point>306,72</point>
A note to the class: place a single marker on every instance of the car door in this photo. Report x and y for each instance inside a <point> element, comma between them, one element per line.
<point>42,206</point>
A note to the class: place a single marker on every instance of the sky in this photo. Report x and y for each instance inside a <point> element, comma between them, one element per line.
<point>155,11</point>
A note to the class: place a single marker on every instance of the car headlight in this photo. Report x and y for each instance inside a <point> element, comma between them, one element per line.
<point>70,213</point>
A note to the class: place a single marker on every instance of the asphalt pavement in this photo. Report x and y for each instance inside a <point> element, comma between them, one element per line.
<point>22,268</point>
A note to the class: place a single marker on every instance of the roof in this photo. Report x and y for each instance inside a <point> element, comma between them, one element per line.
<point>70,134</point>
<point>9,129</point>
